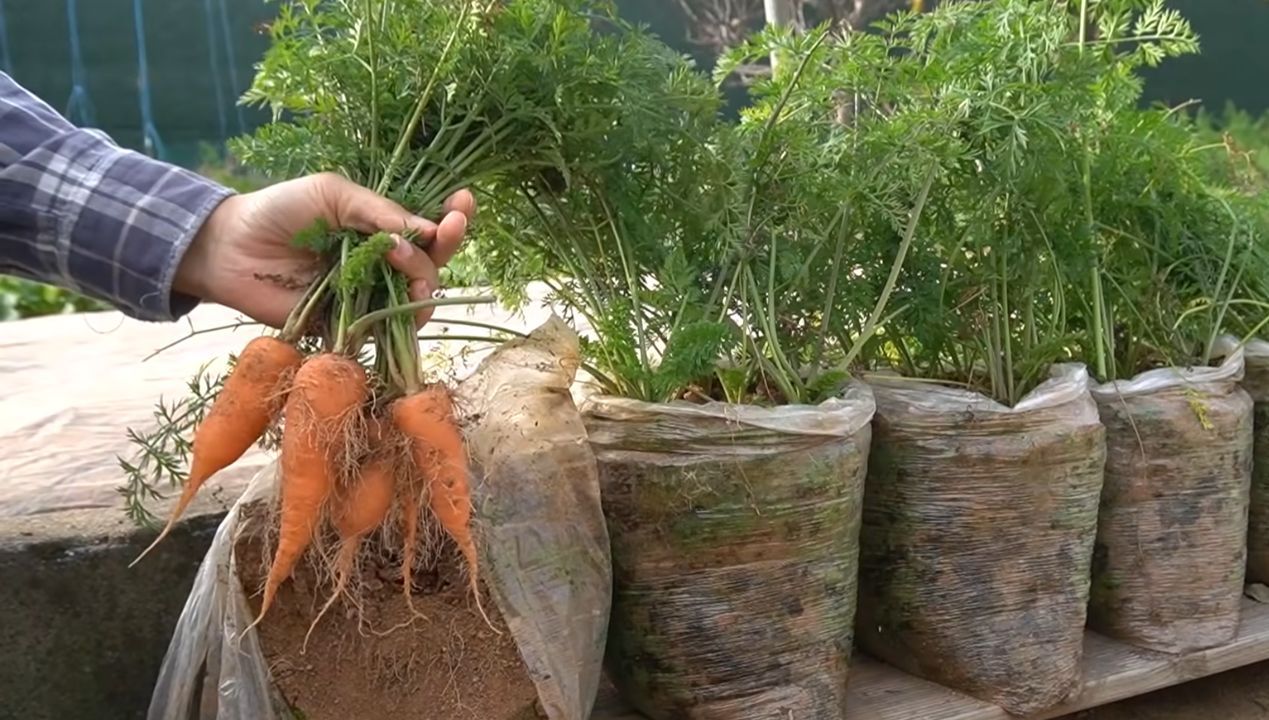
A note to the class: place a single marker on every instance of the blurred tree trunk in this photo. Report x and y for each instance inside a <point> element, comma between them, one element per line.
<point>783,13</point>
<point>717,25</point>
<point>858,14</point>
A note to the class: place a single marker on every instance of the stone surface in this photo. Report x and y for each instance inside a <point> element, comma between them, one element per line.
<point>82,636</point>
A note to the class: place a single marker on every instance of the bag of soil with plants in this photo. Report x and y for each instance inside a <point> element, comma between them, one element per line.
<point>734,537</point>
<point>1172,537</point>
<point>1256,383</point>
<point>977,536</point>
<point>544,558</point>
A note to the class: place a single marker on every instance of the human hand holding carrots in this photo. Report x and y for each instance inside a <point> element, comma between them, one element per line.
<point>243,256</point>
<point>264,254</point>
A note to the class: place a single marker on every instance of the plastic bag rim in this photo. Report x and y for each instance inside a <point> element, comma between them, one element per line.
<point>850,411</point>
<point>1228,373</point>
<point>1067,383</point>
<point>1254,348</point>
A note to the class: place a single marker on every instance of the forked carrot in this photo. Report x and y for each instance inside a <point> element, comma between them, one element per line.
<point>427,419</point>
<point>356,513</point>
<point>237,418</point>
<point>328,389</point>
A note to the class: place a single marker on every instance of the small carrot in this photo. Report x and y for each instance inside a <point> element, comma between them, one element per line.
<point>328,389</point>
<point>359,511</point>
<point>427,419</point>
<point>237,418</point>
<point>409,537</point>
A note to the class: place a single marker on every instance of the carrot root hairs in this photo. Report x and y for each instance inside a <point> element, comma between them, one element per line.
<point>427,419</point>
<point>327,391</point>
<point>238,417</point>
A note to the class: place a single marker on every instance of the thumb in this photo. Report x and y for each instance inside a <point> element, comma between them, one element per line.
<point>361,209</point>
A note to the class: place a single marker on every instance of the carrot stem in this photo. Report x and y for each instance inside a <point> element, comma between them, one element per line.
<point>345,303</point>
<point>411,307</point>
<point>295,325</point>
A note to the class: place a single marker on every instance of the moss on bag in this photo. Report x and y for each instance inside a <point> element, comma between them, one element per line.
<point>977,536</point>
<point>734,533</point>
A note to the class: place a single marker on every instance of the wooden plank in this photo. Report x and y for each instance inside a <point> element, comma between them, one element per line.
<point>1112,670</point>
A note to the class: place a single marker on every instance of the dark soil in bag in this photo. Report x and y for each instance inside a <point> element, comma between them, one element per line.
<point>1256,383</point>
<point>734,534</point>
<point>1171,543</point>
<point>977,537</point>
<point>376,663</point>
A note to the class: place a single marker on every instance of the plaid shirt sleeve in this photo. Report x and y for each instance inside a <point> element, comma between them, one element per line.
<point>78,211</point>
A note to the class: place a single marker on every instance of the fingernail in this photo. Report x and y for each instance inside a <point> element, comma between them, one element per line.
<point>402,249</point>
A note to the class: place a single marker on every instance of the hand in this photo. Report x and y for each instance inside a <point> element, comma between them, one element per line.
<point>243,257</point>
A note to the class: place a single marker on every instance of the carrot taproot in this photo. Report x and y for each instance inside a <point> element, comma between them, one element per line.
<point>356,513</point>
<point>238,417</point>
<point>409,538</point>
<point>426,418</point>
<point>327,391</point>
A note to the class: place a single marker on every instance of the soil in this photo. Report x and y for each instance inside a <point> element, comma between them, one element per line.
<point>1241,694</point>
<point>374,665</point>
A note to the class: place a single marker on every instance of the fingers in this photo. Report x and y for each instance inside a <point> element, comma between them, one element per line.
<point>367,212</point>
<point>420,272</point>
<point>449,238</point>
<point>462,201</point>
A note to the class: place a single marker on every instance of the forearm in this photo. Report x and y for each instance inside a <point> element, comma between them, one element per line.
<point>80,212</point>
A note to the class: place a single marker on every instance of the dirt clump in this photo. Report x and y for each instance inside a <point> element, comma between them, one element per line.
<point>374,663</point>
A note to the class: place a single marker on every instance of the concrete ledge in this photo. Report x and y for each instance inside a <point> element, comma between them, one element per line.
<point>82,636</point>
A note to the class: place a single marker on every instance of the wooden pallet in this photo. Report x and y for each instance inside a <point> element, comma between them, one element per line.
<point>1113,671</point>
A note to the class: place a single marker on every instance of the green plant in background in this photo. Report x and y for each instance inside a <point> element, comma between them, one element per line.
<point>218,164</point>
<point>625,234</point>
<point>1184,251</point>
<point>21,298</point>
<point>1244,140</point>
<point>834,178</point>
<point>1041,229</point>
<point>1179,248</point>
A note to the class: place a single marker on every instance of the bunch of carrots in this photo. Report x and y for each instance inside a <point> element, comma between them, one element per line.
<point>413,99</point>
<point>357,437</point>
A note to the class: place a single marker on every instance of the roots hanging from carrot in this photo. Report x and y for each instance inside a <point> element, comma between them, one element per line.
<point>327,393</point>
<point>237,418</point>
<point>427,419</point>
<point>356,513</point>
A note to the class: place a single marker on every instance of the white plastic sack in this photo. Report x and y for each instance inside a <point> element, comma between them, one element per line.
<point>1170,558</point>
<point>539,528</point>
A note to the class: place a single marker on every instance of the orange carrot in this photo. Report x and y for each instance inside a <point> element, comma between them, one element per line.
<point>357,512</point>
<point>237,418</point>
<point>409,537</point>
<point>427,419</point>
<point>328,389</point>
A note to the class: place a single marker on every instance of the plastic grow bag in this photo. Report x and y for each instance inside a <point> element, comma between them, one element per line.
<point>977,536</point>
<point>734,533</point>
<point>540,530</point>
<point>1171,541</point>
<point>1256,383</point>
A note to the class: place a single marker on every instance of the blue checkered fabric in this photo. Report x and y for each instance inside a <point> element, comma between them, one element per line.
<point>80,212</point>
